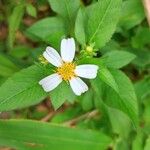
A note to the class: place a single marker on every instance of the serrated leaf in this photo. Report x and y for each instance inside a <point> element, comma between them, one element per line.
<point>22,89</point>
<point>37,135</point>
<point>106,76</point>
<point>125,100</point>
<point>118,59</point>
<point>62,93</point>
<point>102,21</point>
<point>49,30</point>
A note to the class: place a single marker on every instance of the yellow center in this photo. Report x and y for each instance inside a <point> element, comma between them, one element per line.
<point>66,71</point>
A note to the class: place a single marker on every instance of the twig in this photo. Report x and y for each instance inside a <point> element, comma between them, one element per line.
<point>146,4</point>
<point>48,116</point>
<point>87,115</point>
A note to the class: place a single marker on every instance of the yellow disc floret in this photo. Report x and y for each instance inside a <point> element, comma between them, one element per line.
<point>66,71</point>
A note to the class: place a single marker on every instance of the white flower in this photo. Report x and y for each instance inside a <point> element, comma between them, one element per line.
<point>66,69</point>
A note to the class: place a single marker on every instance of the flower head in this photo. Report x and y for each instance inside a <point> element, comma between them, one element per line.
<point>67,70</point>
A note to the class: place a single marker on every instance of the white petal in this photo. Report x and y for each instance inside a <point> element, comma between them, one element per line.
<point>68,49</point>
<point>86,71</point>
<point>78,86</point>
<point>50,82</point>
<point>52,56</point>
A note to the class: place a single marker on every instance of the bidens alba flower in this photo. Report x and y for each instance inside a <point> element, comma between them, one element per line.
<point>67,70</point>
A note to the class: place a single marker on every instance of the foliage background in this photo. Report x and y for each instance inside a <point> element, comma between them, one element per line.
<point>114,114</point>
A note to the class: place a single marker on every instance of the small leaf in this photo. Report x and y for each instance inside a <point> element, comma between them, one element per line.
<point>132,13</point>
<point>14,22</point>
<point>125,100</point>
<point>31,10</point>
<point>87,100</point>
<point>49,30</point>
<point>80,27</point>
<point>44,136</point>
<point>62,93</point>
<point>22,89</point>
<point>118,59</point>
<point>103,17</point>
<point>141,38</point>
<point>106,76</point>
<point>7,67</point>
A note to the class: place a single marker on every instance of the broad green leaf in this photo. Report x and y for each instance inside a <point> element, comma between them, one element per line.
<point>67,9</point>
<point>126,100</point>
<point>80,27</point>
<point>132,14</point>
<point>118,59</point>
<point>49,30</point>
<point>62,93</point>
<point>7,67</point>
<point>102,21</point>
<point>14,22</point>
<point>106,76</point>
<point>36,135</point>
<point>31,10</point>
<point>22,89</point>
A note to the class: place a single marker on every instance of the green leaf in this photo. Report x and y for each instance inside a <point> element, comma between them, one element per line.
<point>7,67</point>
<point>67,9</point>
<point>49,30</point>
<point>132,14</point>
<point>20,51</point>
<point>102,21</point>
<point>31,10</point>
<point>22,89</point>
<point>142,60</point>
<point>14,22</point>
<point>118,59</point>
<point>60,94</point>
<point>121,124</point>
<point>80,27</point>
<point>87,100</point>
<point>138,141</point>
<point>141,38</point>
<point>147,145</point>
<point>36,135</point>
<point>126,100</point>
<point>142,88</point>
<point>106,76</point>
